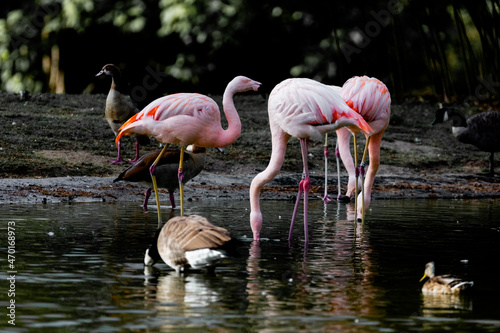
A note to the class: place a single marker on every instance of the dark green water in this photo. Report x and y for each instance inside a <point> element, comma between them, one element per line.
<point>79,269</point>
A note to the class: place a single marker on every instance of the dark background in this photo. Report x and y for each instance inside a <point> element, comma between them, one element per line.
<point>440,50</point>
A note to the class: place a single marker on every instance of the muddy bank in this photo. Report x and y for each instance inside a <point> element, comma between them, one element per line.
<point>56,148</point>
<point>210,186</point>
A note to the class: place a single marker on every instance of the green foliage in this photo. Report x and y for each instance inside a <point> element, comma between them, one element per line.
<point>417,47</point>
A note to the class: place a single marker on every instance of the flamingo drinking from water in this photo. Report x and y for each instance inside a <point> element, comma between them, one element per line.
<point>305,109</point>
<point>186,119</point>
<point>372,100</point>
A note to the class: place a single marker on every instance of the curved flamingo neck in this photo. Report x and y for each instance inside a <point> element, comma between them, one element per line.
<point>233,131</point>
<point>279,142</point>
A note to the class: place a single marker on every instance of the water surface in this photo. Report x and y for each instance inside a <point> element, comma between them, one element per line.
<point>79,269</point>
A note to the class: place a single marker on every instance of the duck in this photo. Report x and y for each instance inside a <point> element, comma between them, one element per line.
<point>442,284</point>
<point>166,170</point>
<point>481,130</point>
<point>189,242</point>
<point>119,109</point>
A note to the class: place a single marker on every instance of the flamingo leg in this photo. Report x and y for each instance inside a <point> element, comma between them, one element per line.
<point>337,157</point>
<point>362,175</point>
<point>356,174</point>
<point>294,214</point>
<point>303,189</point>
<point>181,179</point>
<point>152,171</point>
<point>119,159</point>
<point>326,198</point>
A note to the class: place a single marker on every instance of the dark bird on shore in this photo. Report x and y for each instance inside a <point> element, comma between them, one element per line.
<point>119,109</point>
<point>442,284</point>
<point>481,130</point>
<point>190,242</point>
<point>166,170</point>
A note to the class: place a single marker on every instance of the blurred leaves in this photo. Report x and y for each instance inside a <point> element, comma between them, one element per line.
<point>424,47</point>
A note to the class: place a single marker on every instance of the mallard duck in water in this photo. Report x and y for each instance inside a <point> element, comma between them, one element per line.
<point>442,284</point>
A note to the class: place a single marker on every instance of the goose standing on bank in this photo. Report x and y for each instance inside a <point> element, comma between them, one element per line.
<point>481,130</point>
<point>119,109</point>
<point>189,242</point>
<point>442,284</point>
<point>166,170</point>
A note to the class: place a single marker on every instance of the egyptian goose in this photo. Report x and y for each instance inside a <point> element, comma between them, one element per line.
<point>119,109</point>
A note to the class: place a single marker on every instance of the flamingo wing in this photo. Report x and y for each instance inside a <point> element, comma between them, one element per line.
<point>172,111</point>
<point>302,106</point>
<point>368,96</point>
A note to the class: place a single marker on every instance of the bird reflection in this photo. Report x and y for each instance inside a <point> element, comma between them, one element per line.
<point>263,292</point>
<point>336,272</point>
<point>180,296</point>
<point>340,260</point>
<point>188,291</point>
<point>439,304</point>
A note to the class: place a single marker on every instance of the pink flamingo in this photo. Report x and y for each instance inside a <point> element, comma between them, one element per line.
<point>372,100</point>
<point>305,109</point>
<point>187,119</point>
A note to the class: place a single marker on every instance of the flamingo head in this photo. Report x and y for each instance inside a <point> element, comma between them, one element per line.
<point>243,83</point>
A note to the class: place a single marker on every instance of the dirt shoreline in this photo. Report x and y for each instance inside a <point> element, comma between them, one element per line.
<point>211,186</point>
<point>56,148</point>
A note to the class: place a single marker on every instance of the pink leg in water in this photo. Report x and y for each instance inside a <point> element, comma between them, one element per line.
<point>326,198</point>
<point>303,190</point>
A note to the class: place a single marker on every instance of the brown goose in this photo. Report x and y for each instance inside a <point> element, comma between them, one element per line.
<point>189,242</point>
<point>166,170</point>
<point>442,284</point>
<point>119,109</point>
<point>481,130</point>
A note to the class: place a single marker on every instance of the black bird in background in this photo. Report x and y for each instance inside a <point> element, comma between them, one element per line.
<point>481,130</point>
